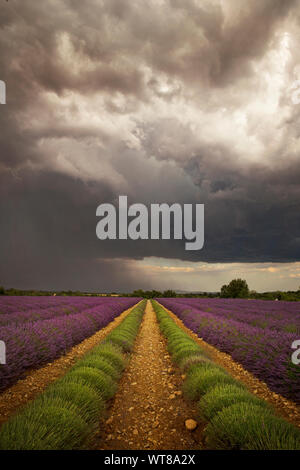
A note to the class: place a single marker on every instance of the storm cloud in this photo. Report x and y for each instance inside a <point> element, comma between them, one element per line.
<point>161,100</point>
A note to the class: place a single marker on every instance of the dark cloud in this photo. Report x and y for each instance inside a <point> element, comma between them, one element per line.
<point>166,101</point>
<point>48,233</point>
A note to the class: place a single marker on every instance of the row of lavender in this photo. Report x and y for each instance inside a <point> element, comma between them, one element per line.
<point>18,309</point>
<point>264,350</point>
<point>280,316</point>
<point>30,344</point>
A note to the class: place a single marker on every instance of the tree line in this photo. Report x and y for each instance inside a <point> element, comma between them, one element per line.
<point>236,289</point>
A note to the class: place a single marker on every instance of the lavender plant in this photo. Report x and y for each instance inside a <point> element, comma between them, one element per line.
<point>257,334</point>
<point>31,343</point>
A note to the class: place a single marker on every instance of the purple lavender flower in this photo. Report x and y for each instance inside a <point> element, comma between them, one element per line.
<point>256,333</point>
<point>37,330</point>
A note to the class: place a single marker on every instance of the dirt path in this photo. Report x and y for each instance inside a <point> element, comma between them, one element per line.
<point>148,411</point>
<point>36,381</point>
<point>282,406</point>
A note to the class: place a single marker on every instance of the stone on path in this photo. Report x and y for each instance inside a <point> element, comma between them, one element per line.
<point>190,424</point>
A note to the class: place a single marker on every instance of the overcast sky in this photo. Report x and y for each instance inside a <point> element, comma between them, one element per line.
<point>161,100</point>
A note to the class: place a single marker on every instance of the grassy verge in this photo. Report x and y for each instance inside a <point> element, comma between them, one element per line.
<point>236,418</point>
<point>66,415</point>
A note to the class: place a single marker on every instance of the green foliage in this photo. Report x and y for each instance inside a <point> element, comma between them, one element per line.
<point>94,378</point>
<point>238,419</point>
<point>99,363</point>
<point>189,363</point>
<point>89,402</point>
<point>148,294</point>
<point>169,293</point>
<point>52,425</point>
<point>123,340</point>
<point>112,353</point>
<point>288,296</point>
<point>176,342</point>
<point>67,414</point>
<point>124,334</point>
<point>204,377</point>
<point>222,396</point>
<point>237,288</point>
<point>185,351</point>
<point>151,294</point>
<point>248,426</point>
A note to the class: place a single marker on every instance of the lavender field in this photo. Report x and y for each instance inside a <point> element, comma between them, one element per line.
<point>37,330</point>
<point>258,334</point>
